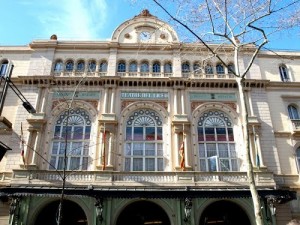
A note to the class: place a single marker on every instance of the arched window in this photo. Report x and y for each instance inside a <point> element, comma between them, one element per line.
<point>71,134</point>
<point>58,66</point>
<point>80,66</point>
<point>293,112</point>
<point>3,68</point>
<point>220,69</point>
<point>69,66</point>
<point>144,67</point>
<point>92,66</point>
<point>103,66</point>
<point>298,158</point>
<point>133,67</point>
<point>209,69</point>
<point>156,67</point>
<point>185,67</point>
<point>122,66</point>
<point>284,75</point>
<point>216,142</point>
<point>168,68</point>
<point>144,141</point>
<point>197,68</point>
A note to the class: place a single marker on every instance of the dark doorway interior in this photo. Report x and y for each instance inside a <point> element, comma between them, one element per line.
<point>72,214</point>
<point>224,213</point>
<point>143,213</point>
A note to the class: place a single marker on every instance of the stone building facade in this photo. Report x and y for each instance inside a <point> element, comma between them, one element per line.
<point>152,131</point>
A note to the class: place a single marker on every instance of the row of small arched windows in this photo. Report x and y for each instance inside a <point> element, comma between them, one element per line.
<point>80,66</point>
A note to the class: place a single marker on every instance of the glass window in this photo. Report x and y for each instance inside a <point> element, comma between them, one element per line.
<point>144,142</point>
<point>92,66</point>
<point>58,67</point>
<point>133,67</point>
<point>216,142</point>
<point>284,75</point>
<point>293,112</point>
<point>168,68</point>
<point>209,69</point>
<point>103,66</point>
<point>145,67</point>
<point>197,68</point>
<point>298,158</point>
<point>71,134</point>
<point>230,68</point>
<point>3,68</point>
<point>185,67</point>
<point>69,66</point>
<point>80,66</point>
<point>156,67</point>
<point>220,69</point>
<point>121,67</point>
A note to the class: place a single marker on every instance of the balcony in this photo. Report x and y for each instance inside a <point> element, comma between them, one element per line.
<point>138,179</point>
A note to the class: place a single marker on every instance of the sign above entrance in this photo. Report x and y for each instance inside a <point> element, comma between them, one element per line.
<point>213,96</point>
<point>78,95</point>
<point>144,95</point>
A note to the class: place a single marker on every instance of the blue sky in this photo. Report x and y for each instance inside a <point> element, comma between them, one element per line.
<point>25,20</point>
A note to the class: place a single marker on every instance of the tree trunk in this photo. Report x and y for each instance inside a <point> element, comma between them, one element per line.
<point>250,173</point>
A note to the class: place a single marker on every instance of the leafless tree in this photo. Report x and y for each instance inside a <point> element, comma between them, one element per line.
<point>240,25</point>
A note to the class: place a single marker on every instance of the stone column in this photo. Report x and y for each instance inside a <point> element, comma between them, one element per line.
<point>175,102</point>
<point>182,102</point>
<point>112,100</point>
<point>105,100</point>
<point>176,151</point>
<point>109,156</point>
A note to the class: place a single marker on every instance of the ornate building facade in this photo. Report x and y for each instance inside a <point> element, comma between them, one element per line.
<point>144,129</point>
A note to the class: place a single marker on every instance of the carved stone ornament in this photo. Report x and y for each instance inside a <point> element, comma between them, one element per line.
<point>127,35</point>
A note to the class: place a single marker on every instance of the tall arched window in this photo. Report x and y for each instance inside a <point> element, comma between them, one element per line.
<point>156,67</point>
<point>80,66</point>
<point>168,68</point>
<point>284,75</point>
<point>197,68</point>
<point>144,67</point>
<point>71,134</point>
<point>185,67</point>
<point>133,67</point>
<point>230,68</point>
<point>293,112</point>
<point>58,66</point>
<point>144,141</point>
<point>103,66</point>
<point>122,67</point>
<point>92,66</point>
<point>216,142</point>
<point>209,69</point>
<point>3,67</point>
<point>220,69</point>
<point>298,158</point>
<point>69,66</point>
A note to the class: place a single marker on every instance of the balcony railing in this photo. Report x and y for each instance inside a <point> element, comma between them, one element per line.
<point>108,178</point>
<point>296,125</point>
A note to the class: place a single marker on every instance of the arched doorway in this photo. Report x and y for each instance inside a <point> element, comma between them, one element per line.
<point>143,213</point>
<point>72,214</point>
<point>224,213</point>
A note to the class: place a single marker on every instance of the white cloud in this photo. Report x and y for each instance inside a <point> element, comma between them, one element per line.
<point>74,19</point>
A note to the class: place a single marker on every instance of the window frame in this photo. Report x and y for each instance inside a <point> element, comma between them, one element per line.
<point>293,112</point>
<point>284,73</point>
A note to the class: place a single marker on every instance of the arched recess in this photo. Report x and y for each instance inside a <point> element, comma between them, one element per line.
<point>72,214</point>
<point>163,115</point>
<point>143,212</point>
<point>224,212</point>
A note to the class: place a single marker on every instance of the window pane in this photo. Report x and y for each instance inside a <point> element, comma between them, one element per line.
<point>210,134</point>
<point>52,163</point>
<point>150,149</point>
<point>55,148</point>
<point>137,164</point>
<point>230,134</point>
<point>160,164</point>
<point>223,151</point>
<point>150,133</point>
<point>203,165</point>
<point>128,149</point>
<point>57,132</point>
<point>221,134</point>
<point>85,163</point>
<point>150,165</point>
<point>138,134</point>
<point>200,134</point>
<point>76,148</point>
<point>159,133</point>
<point>128,133</point>
<point>78,133</point>
<point>66,131</point>
<point>234,165</point>
<point>87,132</point>
<point>232,150</point>
<point>74,163</point>
<point>212,163</point>
<point>224,164</point>
<point>86,147</point>
<point>159,149</point>
<point>60,164</point>
<point>201,150</point>
<point>211,150</point>
<point>127,164</point>
<point>137,149</point>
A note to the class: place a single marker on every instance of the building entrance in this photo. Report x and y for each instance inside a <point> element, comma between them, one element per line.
<point>224,213</point>
<point>143,213</point>
<point>72,214</point>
